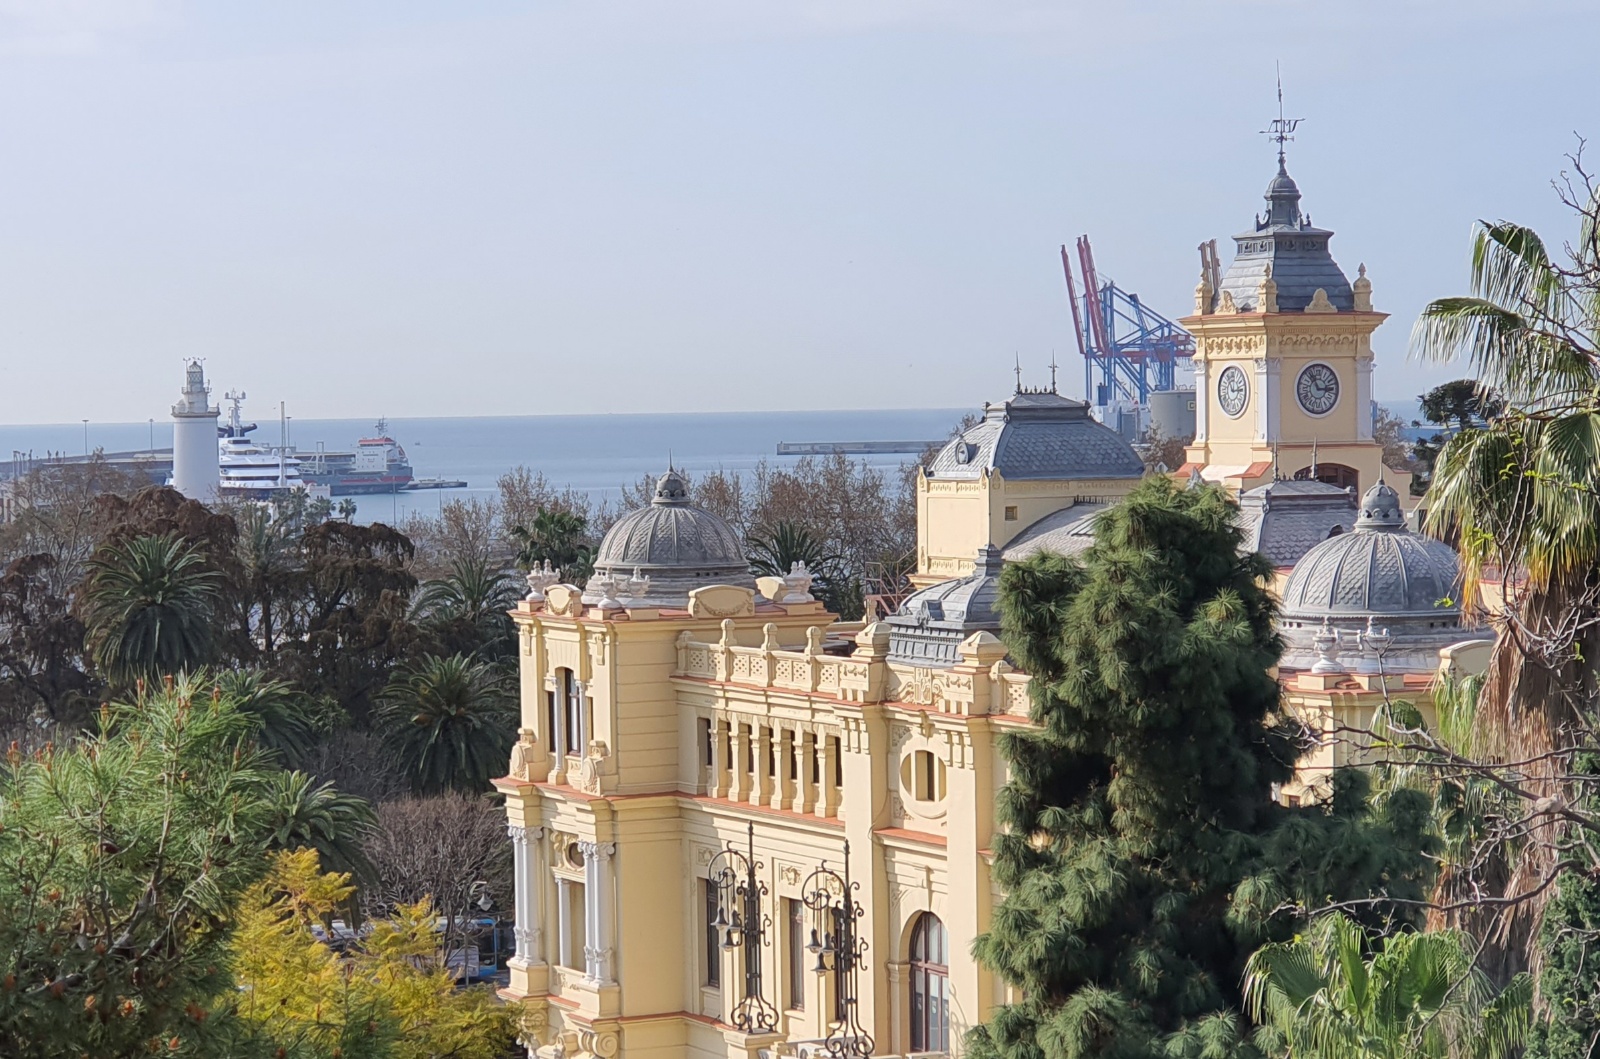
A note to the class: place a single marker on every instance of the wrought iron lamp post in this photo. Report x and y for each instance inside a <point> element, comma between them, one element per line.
<point>838,948</point>
<point>744,926</point>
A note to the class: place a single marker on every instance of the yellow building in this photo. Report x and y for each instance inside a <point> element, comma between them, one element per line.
<point>742,826</point>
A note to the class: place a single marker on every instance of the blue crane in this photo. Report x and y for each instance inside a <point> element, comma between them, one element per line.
<point>1133,349</point>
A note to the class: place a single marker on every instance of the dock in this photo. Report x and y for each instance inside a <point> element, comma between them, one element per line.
<point>852,448</point>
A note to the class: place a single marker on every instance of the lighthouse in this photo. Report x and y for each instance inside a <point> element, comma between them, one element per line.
<point>196,468</point>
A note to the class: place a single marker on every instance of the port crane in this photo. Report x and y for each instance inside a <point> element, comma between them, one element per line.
<point>1129,349</point>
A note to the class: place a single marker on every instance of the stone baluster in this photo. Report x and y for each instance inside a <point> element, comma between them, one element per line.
<point>740,788</point>
<point>828,803</point>
<point>761,788</point>
<point>783,784</point>
<point>807,765</point>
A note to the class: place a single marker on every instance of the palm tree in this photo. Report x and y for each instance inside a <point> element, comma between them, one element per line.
<point>287,720</point>
<point>150,604</point>
<point>268,554</point>
<point>452,721</point>
<point>319,817</point>
<point>774,550</point>
<point>1520,495</point>
<point>559,537</point>
<point>1413,996</point>
<point>474,592</point>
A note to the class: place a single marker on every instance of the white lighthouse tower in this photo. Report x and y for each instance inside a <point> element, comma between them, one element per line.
<point>196,468</point>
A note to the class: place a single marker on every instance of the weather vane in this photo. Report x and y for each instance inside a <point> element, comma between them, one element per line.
<point>1281,129</point>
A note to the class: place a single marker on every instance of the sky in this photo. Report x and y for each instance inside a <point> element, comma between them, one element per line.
<point>414,209</point>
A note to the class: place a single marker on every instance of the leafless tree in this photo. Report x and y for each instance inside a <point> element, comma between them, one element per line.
<point>450,849</point>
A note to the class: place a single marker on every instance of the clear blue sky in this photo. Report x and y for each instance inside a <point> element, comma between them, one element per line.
<point>458,208</point>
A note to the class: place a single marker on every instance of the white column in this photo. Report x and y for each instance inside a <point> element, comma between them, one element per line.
<point>1202,398</point>
<point>597,910</point>
<point>519,871</point>
<point>529,932</point>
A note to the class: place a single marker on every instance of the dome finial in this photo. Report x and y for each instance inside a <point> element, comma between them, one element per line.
<point>1281,129</point>
<point>1380,509</point>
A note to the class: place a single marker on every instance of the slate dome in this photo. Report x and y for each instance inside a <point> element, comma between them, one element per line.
<point>1038,435</point>
<point>931,624</point>
<point>679,546</point>
<point>1380,570</point>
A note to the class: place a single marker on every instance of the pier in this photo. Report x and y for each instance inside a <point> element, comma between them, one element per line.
<point>852,448</point>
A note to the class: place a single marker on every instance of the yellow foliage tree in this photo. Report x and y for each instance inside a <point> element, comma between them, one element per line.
<point>390,997</point>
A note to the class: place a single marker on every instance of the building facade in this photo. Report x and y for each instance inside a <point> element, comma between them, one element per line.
<point>742,826</point>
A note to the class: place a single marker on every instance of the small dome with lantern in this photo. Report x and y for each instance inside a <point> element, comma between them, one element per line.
<point>1378,578</point>
<point>680,547</point>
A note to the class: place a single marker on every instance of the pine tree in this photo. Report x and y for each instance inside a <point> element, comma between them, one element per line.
<point>1142,854</point>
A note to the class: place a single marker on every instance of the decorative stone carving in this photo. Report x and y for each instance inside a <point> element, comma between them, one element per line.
<point>539,579</point>
<point>1326,643</point>
<point>523,754</point>
<point>596,766</point>
<point>635,587</point>
<point>1320,303</point>
<point>603,588</point>
<point>1203,295</point>
<point>722,601</point>
<point>1267,292</point>
<point>788,874</point>
<point>797,584</point>
<point>564,599</point>
<point>922,687</point>
<point>1225,306</point>
<point>1362,289</point>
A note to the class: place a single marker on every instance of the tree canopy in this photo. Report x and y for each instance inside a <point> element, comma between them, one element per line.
<point>1142,853</point>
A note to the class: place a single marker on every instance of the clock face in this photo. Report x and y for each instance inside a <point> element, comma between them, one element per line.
<point>1317,389</point>
<point>1233,390</point>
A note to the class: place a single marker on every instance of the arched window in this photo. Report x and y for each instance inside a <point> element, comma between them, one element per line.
<point>1331,473</point>
<point>930,985</point>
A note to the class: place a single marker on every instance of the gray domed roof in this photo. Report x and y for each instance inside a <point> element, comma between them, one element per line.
<point>1402,582</point>
<point>679,546</point>
<point>930,625</point>
<point>1284,520</point>
<point>1296,253</point>
<point>1038,435</point>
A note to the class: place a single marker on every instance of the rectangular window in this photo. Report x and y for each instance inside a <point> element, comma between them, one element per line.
<point>574,713</point>
<point>1011,513</point>
<point>550,721</point>
<point>705,742</point>
<point>838,761</point>
<point>712,975</point>
<point>572,932</point>
<point>923,776</point>
<point>795,916</point>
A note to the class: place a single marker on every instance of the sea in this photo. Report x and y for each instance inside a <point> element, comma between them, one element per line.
<point>594,454</point>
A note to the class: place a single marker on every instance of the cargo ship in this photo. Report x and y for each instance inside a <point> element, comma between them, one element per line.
<point>378,465</point>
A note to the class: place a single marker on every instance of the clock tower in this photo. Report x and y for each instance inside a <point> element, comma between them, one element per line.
<point>1283,358</point>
